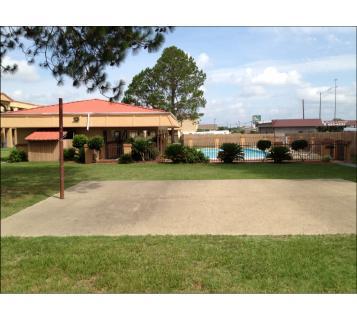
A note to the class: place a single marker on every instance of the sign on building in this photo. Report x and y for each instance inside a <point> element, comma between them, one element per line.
<point>256,118</point>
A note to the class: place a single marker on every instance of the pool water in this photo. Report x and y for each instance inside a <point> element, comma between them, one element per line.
<point>249,153</point>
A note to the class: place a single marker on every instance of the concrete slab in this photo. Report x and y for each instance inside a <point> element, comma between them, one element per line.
<point>255,207</point>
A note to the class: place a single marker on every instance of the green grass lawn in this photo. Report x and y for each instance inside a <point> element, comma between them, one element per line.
<point>23,184</point>
<point>168,264</point>
<point>4,154</point>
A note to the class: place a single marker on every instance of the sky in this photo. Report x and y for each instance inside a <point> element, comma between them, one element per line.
<point>250,70</point>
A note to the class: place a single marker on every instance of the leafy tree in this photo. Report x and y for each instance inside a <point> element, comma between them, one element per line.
<point>263,144</point>
<point>143,90</point>
<point>173,84</point>
<point>81,53</point>
<point>95,143</point>
<point>299,145</point>
<point>79,140</point>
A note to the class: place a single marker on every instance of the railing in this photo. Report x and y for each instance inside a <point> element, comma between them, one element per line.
<point>313,152</point>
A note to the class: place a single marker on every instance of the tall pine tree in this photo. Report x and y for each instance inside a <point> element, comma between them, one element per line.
<point>173,84</point>
<point>80,53</point>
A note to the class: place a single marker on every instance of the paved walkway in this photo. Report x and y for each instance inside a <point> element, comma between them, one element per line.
<point>192,207</point>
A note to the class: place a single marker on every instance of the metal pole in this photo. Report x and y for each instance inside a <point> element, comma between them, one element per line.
<point>60,141</point>
<point>303,109</point>
<point>334,115</point>
<point>320,108</point>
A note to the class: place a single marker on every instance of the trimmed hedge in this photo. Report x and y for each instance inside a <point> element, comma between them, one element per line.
<point>17,156</point>
<point>69,154</point>
<point>125,159</point>
<point>79,140</point>
<point>178,153</point>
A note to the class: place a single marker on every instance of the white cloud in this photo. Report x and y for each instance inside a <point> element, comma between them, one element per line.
<point>271,76</point>
<point>281,72</point>
<point>25,72</point>
<point>203,60</point>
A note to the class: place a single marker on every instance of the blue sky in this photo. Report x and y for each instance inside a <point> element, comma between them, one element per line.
<point>266,71</point>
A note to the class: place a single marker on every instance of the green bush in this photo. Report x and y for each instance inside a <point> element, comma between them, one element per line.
<point>80,156</point>
<point>125,158</point>
<point>178,153</point>
<point>263,144</point>
<point>69,154</point>
<point>299,144</point>
<point>327,158</point>
<point>230,152</point>
<point>17,156</point>
<point>79,140</point>
<point>95,143</point>
<point>143,149</point>
<point>195,156</point>
<point>279,154</point>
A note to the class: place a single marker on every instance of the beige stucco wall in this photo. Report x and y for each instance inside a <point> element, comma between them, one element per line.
<point>189,126</point>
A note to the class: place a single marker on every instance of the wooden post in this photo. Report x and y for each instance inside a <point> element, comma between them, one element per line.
<point>60,141</point>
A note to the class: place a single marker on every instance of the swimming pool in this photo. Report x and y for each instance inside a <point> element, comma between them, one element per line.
<point>249,153</point>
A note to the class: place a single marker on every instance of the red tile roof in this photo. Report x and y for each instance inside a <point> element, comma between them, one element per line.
<point>43,135</point>
<point>88,106</point>
<point>284,123</point>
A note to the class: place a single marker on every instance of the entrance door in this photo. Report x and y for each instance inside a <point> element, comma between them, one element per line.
<point>115,146</point>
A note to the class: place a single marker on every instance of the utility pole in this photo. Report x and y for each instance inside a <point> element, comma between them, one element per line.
<point>334,115</point>
<point>320,107</point>
<point>303,109</point>
<point>60,141</point>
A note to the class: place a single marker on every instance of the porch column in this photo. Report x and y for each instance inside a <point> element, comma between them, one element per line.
<point>9,142</point>
<point>15,137</point>
<point>3,137</point>
<point>172,135</point>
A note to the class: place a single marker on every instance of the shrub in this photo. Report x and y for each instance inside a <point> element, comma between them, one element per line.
<point>80,156</point>
<point>176,153</point>
<point>79,140</point>
<point>125,158</point>
<point>193,155</point>
<point>69,154</point>
<point>143,149</point>
<point>279,154</point>
<point>263,144</point>
<point>95,143</point>
<point>230,152</point>
<point>299,145</point>
<point>181,154</point>
<point>17,155</point>
<point>327,158</point>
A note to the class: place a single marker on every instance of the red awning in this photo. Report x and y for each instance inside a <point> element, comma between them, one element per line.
<point>43,136</point>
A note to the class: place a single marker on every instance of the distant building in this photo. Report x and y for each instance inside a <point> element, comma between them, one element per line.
<point>207,127</point>
<point>188,126</point>
<point>9,104</point>
<point>283,126</point>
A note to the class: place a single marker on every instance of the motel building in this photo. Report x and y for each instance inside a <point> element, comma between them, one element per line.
<point>36,130</point>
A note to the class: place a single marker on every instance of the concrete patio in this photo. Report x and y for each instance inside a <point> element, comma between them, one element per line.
<point>232,207</point>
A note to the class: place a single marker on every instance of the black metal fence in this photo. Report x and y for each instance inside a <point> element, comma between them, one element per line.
<point>313,152</point>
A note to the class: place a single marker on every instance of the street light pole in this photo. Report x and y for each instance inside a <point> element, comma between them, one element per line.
<point>320,107</point>
<point>334,115</point>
